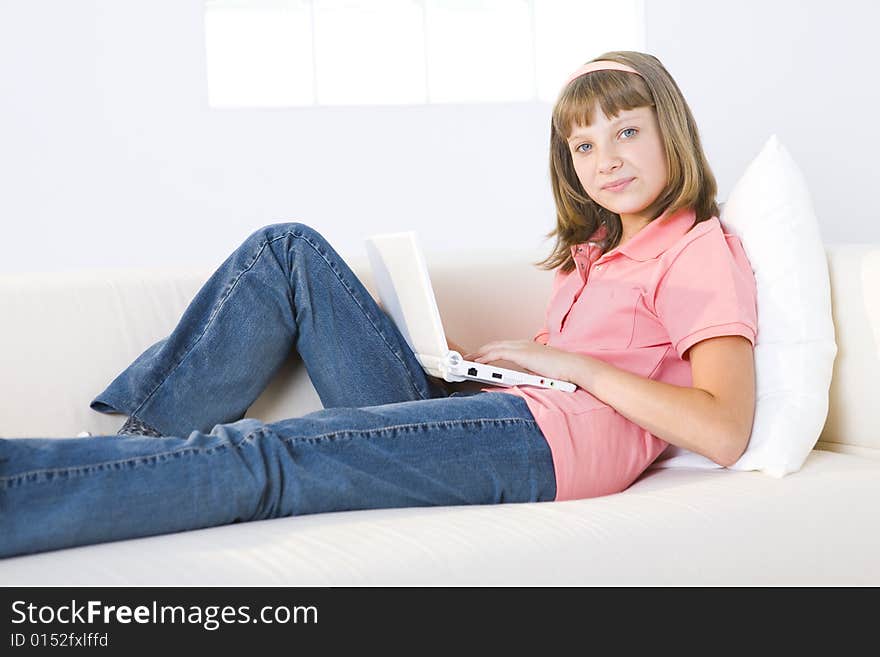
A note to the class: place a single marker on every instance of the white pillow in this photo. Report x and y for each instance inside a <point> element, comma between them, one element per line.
<point>771,211</point>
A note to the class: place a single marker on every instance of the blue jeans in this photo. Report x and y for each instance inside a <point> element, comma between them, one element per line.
<point>389,435</point>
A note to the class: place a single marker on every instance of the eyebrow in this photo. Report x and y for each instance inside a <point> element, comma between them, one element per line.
<point>623,119</point>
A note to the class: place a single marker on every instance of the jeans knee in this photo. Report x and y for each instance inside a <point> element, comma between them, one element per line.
<point>274,231</point>
<point>291,227</point>
<point>291,236</point>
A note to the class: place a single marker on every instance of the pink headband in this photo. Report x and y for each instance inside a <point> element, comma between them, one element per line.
<point>600,65</point>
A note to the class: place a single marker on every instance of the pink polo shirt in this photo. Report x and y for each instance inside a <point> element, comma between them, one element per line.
<point>638,307</point>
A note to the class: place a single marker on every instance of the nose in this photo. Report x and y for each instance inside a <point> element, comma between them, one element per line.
<point>609,163</point>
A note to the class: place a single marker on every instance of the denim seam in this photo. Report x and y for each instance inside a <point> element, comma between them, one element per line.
<point>137,461</point>
<point>349,433</point>
<point>14,480</point>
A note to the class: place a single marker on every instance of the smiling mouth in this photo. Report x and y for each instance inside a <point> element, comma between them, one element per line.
<point>619,186</point>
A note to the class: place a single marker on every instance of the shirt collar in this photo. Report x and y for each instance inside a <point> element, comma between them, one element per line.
<point>653,239</point>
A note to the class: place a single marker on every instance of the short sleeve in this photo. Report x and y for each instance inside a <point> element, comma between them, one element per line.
<point>543,336</point>
<point>708,290</point>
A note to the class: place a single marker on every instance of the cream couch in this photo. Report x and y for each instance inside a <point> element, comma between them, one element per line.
<point>65,336</point>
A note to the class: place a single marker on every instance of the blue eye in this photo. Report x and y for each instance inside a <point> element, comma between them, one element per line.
<point>578,148</point>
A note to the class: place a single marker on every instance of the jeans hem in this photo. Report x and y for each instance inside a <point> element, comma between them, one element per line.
<point>108,406</point>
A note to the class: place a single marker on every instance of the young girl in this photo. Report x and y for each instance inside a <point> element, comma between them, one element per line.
<point>652,316</point>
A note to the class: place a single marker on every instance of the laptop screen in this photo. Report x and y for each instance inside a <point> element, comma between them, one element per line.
<point>400,274</point>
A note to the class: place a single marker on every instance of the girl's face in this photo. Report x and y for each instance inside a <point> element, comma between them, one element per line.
<point>623,148</point>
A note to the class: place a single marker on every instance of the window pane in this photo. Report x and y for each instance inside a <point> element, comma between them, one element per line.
<point>369,52</point>
<point>480,50</point>
<point>259,53</point>
<point>264,53</point>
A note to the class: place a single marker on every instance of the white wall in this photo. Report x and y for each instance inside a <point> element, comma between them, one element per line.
<point>804,69</point>
<point>109,155</point>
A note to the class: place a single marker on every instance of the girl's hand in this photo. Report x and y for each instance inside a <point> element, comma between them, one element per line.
<point>535,357</point>
<point>454,346</point>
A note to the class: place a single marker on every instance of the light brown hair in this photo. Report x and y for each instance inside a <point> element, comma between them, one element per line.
<point>691,182</point>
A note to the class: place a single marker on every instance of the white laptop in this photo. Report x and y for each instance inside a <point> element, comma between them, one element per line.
<point>400,274</point>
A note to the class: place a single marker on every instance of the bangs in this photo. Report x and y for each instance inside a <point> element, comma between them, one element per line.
<point>614,91</point>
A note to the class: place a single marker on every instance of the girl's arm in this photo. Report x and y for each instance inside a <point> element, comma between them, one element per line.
<point>713,417</point>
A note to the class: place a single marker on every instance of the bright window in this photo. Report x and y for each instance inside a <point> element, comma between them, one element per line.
<point>288,53</point>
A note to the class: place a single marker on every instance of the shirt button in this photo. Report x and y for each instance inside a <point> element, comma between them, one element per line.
<point>598,266</point>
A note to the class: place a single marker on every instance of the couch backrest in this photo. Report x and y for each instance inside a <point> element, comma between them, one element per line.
<point>65,336</point>
<point>853,423</point>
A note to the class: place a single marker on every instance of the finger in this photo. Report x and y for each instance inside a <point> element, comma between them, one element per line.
<point>481,352</point>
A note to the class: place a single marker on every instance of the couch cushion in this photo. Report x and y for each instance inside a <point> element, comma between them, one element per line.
<point>676,526</point>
